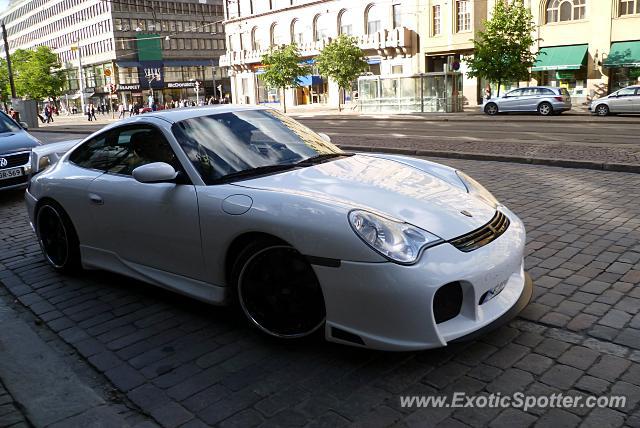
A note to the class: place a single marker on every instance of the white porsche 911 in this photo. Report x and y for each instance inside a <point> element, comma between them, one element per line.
<point>243,204</point>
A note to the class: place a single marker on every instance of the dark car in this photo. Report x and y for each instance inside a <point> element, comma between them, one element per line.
<point>15,153</point>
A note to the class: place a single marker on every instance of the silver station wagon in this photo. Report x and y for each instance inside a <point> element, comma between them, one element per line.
<point>544,100</point>
<point>625,100</point>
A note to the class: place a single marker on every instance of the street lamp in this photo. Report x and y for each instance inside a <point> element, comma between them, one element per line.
<point>76,47</point>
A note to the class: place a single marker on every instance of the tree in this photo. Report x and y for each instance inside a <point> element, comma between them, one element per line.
<point>37,73</point>
<point>503,49</point>
<point>283,69</point>
<point>341,60</point>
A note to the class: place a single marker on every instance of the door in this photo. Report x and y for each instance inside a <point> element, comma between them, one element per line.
<point>155,225</point>
<point>636,102</point>
<point>623,101</point>
<point>529,99</point>
<point>511,101</point>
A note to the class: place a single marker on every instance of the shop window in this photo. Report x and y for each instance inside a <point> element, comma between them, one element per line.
<point>565,10</point>
<point>397,16</point>
<point>463,15</point>
<point>628,7</point>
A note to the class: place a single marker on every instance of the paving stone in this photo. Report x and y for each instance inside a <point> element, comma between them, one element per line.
<point>609,367</point>
<point>561,376</point>
<point>603,418</point>
<point>535,363</point>
<point>513,418</point>
<point>507,356</point>
<point>556,418</point>
<point>615,319</point>
<point>552,348</point>
<point>579,357</point>
<point>629,337</point>
<point>592,384</point>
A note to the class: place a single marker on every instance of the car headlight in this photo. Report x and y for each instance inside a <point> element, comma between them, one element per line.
<point>397,241</point>
<point>477,189</point>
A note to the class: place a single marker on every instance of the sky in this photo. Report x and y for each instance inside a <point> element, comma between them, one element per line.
<point>3,4</point>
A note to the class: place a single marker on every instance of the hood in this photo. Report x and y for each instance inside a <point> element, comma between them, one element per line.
<point>18,141</point>
<point>387,187</point>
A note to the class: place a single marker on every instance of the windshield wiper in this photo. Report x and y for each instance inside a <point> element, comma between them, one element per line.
<point>322,158</point>
<point>260,170</point>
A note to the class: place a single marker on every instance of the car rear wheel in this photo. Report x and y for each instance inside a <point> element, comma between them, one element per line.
<point>491,109</point>
<point>545,109</point>
<point>278,290</point>
<point>57,238</point>
<point>602,110</point>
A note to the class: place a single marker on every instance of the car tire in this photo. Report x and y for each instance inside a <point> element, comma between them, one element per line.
<point>278,291</point>
<point>491,109</point>
<point>545,109</point>
<point>602,110</point>
<point>58,238</point>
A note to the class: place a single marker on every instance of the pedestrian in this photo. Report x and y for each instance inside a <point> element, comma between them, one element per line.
<point>93,112</point>
<point>121,111</point>
<point>14,114</point>
<point>87,112</point>
<point>48,113</point>
<point>487,92</point>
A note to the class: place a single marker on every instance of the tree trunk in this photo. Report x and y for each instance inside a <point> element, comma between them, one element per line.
<point>340,92</point>
<point>284,100</point>
<point>499,84</point>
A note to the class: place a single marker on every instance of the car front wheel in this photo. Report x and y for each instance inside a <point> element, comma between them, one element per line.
<point>602,110</point>
<point>278,290</point>
<point>545,109</point>
<point>57,238</point>
<point>491,109</point>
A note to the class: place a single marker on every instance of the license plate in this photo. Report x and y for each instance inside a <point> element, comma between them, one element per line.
<point>10,173</point>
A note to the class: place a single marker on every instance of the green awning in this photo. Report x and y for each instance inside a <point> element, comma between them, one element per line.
<point>623,54</point>
<point>561,58</point>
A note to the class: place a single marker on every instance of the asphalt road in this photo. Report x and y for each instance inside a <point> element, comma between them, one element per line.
<point>564,130</point>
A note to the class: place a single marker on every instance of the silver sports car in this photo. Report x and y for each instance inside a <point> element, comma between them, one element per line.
<point>244,205</point>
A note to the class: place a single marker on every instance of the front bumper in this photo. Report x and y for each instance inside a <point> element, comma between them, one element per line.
<point>390,307</point>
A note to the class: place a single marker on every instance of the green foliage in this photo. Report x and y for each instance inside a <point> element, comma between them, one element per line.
<point>342,60</point>
<point>5,92</point>
<point>283,68</point>
<point>37,73</point>
<point>503,49</point>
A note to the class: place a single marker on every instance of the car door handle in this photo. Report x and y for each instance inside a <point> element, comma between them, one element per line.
<point>96,199</point>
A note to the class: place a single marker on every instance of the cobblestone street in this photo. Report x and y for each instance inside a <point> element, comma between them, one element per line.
<point>189,364</point>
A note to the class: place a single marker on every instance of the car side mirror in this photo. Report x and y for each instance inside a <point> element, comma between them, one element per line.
<point>325,137</point>
<point>157,172</point>
<point>24,125</point>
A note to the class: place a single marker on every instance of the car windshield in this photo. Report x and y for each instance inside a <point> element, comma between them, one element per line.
<point>250,142</point>
<point>7,124</point>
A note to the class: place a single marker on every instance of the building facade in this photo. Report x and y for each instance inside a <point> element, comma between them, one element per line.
<point>137,47</point>
<point>590,47</point>
<point>417,49</point>
<point>387,32</point>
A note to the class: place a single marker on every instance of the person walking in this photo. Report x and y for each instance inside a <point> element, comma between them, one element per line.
<point>48,113</point>
<point>121,111</point>
<point>93,112</point>
<point>87,111</point>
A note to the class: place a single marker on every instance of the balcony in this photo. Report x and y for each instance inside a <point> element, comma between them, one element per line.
<point>385,42</point>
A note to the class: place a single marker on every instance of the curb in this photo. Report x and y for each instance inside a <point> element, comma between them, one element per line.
<point>60,130</point>
<point>564,163</point>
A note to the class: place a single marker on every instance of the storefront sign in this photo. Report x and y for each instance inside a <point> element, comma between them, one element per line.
<point>177,85</point>
<point>129,87</point>
<point>565,75</point>
<point>150,73</point>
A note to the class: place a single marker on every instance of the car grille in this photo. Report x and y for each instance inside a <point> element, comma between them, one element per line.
<point>14,160</point>
<point>483,235</point>
<point>14,181</point>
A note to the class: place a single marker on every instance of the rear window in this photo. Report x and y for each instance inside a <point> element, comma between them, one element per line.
<point>564,92</point>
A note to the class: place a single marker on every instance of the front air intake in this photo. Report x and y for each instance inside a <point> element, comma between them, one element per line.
<point>447,302</point>
<point>483,235</point>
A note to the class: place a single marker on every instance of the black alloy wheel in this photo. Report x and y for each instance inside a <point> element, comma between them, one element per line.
<point>278,290</point>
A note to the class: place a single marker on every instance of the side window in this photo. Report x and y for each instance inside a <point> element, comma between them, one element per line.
<point>626,92</point>
<point>139,146</point>
<point>515,93</point>
<point>547,91</point>
<point>93,154</point>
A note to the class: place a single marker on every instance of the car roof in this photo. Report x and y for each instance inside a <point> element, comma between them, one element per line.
<point>177,114</point>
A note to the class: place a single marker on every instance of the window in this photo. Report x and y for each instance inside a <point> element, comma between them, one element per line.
<point>629,7</point>
<point>565,10</point>
<point>437,20</point>
<point>372,18</point>
<point>397,16</point>
<point>254,41</point>
<point>626,92</point>
<point>463,14</point>
<point>123,150</point>
<point>321,28</point>
<point>276,36</point>
<point>514,93</point>
<point>297,32</point>
<point>345,23</point>
<point>396,69</point>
